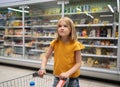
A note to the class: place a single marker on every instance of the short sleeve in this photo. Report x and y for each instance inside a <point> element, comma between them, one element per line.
<point>52,43</point>
<point>79,46</point>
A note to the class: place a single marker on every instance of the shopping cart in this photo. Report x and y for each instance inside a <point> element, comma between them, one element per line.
<point>24,81</point>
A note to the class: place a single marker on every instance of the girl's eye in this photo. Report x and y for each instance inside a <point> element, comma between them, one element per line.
<point>59,26</point>
<point>65,25</point>
<point>62,26</point>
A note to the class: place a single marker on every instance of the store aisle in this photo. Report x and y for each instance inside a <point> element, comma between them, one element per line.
<point>10,72</point>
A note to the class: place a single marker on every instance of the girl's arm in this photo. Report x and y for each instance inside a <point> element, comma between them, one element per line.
<point>45,59</point>
<point>42,69</point>
<point>75,67</point>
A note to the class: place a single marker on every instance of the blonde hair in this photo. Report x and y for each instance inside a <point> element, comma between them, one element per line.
<point>70,26</point>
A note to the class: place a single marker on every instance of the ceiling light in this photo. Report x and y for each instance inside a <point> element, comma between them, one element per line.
<point>89,15</point>
<point>18,10</point>
<point>118,3</point>
<point>110,7</point>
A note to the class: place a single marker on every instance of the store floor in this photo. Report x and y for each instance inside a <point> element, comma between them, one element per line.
<point>8,72</point>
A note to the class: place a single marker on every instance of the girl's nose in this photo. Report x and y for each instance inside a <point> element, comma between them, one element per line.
<point>62,27</point>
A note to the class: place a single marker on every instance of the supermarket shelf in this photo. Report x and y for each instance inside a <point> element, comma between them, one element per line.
<point>98,38</point>
<point>44,26</point>
<point>100,46</point>
<point>102,56</point>
<point>37,50</point>
<point>93,25</point>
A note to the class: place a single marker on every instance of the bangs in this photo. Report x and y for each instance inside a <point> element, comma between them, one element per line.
<point>67,22</point>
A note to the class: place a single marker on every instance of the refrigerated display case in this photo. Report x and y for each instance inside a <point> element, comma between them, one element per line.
<point>97,29</point>
<point>28,32</point>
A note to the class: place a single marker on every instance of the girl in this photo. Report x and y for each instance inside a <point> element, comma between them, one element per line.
<point>67,54</point>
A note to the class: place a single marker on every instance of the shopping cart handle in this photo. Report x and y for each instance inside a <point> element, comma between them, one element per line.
<point>35,74</point>
<point>61,83</point>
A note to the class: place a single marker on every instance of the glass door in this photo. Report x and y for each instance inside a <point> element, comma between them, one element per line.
<point>11,25</point>
<point>96,26</point>
<point>40,28</point>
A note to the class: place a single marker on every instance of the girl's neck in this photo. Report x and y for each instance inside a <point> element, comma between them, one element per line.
<point>65,40</point>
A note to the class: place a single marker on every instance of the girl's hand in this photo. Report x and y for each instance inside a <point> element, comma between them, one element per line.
<point>64,75</point>
<point>41,72</point>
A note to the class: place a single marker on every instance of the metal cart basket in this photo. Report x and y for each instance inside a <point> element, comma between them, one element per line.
<point>24,81</point>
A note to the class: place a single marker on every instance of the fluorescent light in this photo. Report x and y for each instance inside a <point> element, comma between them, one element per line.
<point>110,7</point>
<point>78,9</point>
<point>89,15</point>
<point>118,3</point>
<point>17,10</point>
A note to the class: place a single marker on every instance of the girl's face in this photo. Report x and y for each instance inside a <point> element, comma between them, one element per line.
<point>63,29</point>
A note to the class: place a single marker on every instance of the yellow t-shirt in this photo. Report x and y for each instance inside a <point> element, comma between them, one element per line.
<point>64,56</point>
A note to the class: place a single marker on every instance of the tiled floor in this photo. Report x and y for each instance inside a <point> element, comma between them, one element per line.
<point>10,72</point>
